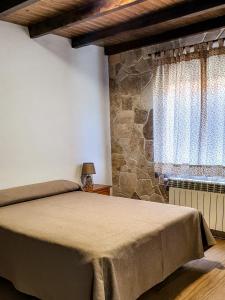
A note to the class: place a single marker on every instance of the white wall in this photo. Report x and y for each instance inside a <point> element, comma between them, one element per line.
<point>54,109</point>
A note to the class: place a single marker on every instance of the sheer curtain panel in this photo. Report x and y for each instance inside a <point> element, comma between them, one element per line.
<point>189,113</point>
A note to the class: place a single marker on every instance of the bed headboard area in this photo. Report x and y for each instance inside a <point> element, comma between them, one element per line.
<point>36,191</point>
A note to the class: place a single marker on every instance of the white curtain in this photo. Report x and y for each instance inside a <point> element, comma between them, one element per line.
<point>214,142</point>
<point>190,131</point>
<point>177,112</point>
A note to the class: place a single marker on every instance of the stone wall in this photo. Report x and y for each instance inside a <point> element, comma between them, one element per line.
<point>131,78</point>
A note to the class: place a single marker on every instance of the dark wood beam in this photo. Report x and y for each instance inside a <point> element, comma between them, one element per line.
<point>181,32</point>
<point>92,10</point>
<point>189,8</point>
<point>10,6</point>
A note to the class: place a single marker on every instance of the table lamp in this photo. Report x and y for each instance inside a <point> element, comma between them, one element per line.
<point>88,170</point>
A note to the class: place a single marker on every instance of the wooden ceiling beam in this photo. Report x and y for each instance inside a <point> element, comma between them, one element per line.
<point>10,6</point>
<point>170,35</point>
<point>92,10</point>
<point>190,8</point>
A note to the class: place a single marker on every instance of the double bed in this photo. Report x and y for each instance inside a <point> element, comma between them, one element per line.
<point>59,243</point>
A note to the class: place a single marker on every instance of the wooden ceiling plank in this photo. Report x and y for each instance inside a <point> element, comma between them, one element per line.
<point>181,32</point>
<point>177,11</point>
<point>9,6</point>
<point>91,11</point>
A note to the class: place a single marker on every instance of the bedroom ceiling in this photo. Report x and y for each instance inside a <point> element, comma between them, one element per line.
<point>116,25</point>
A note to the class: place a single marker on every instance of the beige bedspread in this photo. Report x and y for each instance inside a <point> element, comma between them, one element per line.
<point>82,246</point>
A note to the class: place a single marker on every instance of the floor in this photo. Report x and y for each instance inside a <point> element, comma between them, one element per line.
<point>203,279</point>
<point>199,280</point>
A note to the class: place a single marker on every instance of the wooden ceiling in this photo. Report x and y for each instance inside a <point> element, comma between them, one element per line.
<point>116,25</point>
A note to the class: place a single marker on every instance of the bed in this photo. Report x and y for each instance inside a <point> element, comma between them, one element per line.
<point>59,243</point>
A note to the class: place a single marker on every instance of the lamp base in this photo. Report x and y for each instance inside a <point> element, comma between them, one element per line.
<point>88,182</point>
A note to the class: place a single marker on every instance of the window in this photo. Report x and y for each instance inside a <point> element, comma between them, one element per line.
<point>189,112</point>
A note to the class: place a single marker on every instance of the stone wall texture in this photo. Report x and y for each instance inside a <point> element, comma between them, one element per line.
<point>131,78</point>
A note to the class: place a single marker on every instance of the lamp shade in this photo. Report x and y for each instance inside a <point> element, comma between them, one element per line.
<point>88,169</point>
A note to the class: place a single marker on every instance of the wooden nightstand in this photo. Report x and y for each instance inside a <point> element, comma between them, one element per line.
<point>99,189</point>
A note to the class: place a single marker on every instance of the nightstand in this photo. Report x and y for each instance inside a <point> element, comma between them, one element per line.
<point>99,189</point>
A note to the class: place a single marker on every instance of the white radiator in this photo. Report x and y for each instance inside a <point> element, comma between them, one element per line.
<point>212,205</point>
